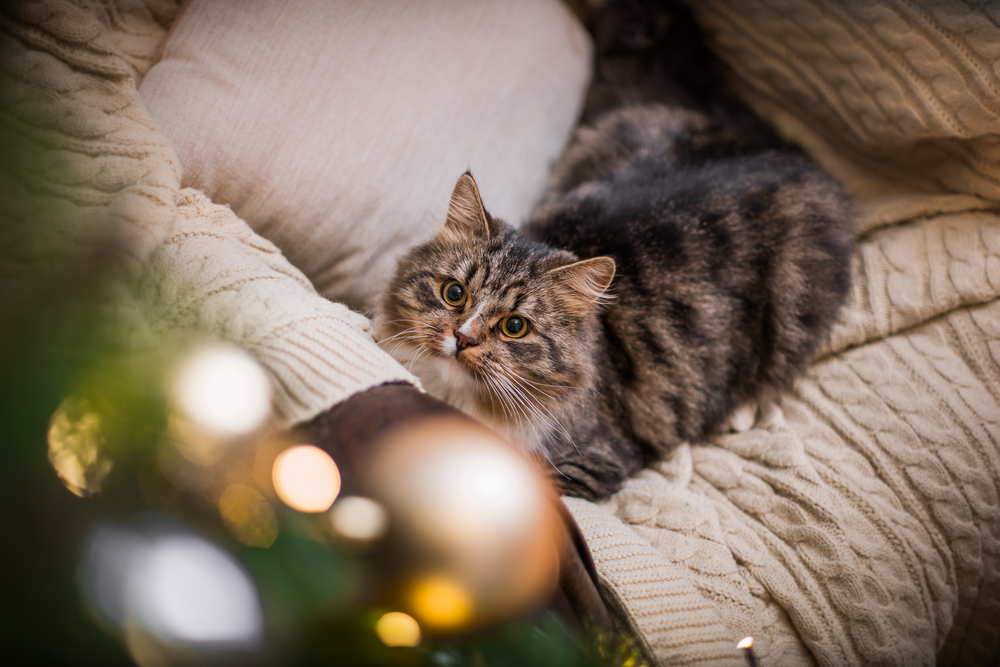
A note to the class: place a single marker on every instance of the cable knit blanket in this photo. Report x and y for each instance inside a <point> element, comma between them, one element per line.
<point>864,531</point>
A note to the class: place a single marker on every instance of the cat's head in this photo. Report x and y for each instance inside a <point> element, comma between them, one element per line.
<point>496,323</point>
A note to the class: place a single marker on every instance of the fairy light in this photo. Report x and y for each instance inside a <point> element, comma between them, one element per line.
<point>746,645</point>
<point>441,603</point>
<point>398,629</point>
<point>357,518</point>
<point>75,447</point>
<point>306,478</point>
<point>223,392</point>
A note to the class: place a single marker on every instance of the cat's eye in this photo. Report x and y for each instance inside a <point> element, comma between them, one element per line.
<point>453,293</point>
<point>514,326</point>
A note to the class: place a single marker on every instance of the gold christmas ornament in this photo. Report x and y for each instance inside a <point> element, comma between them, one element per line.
<point>478,520</point>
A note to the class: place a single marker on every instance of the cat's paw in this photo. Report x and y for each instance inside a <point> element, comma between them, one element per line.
<point>742,419</point>
<point>678,467</point>
<point>771,415</point>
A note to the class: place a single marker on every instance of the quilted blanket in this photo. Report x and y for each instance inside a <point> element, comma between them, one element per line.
<point>866,529</point>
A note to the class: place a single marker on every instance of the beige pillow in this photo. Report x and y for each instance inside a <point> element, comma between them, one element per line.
<point>337,129</point>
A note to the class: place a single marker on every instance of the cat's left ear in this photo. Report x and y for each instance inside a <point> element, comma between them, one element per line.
<point>581,284</point>
<point>466,215</point>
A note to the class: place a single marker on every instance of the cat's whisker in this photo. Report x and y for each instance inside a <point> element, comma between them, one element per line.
<point>418,322</point>
<point>533,409</point>
<point>408,334</point>
<point>412,344</point>
<point>505,394</point>
<point>404,331</point>
<point>508,410</point>
<point>554,423</point>
<point>542,384</point>
<point>420,355</point>
<point>405,341</point>
<point>525,380</point>
<point>549,437</point>
<point>506,403</point>
<point>415,341</point>
<point>521,383</point>
<point>393,337</point>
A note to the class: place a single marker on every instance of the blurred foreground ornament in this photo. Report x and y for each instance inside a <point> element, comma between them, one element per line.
<point>220,394</point>
<point>76,446</point>
<point>171,593</point>
<point>476,519</point>
<point>306,478</point>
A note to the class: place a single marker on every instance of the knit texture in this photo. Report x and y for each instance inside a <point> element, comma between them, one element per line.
<point>98,174</point>
<point>213,276</point>
<point>866,529</point>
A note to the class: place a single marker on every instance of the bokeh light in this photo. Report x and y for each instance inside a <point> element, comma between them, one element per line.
<point>306,478</point>
<point>107,558</point>
<point>441,603</point>
<point>223,392</point>
<point>76,447</point>
<point>398,629</point>
<point>357,518</point>
<point>191,590</point>
<point>193,443</point>
<point>248,516</point>
<point>178,586</point>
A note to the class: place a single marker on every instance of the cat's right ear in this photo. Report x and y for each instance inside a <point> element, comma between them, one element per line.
<point>466,215</point>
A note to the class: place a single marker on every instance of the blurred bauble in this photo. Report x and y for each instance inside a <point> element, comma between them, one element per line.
<point>476,519</point>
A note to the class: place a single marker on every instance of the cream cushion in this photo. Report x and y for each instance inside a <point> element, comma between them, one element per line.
<point>337,129</point>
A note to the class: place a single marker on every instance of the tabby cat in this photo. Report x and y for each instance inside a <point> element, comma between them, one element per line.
<point>684,267</point>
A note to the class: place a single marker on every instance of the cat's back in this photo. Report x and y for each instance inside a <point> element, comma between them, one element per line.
<point>677,197</point>
<point>732,247</point>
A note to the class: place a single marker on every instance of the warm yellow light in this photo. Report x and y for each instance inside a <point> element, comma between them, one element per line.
<point>248,516</point>
<point>223,391</point>
<point>358,518</point>
<point>746,642</point>
<point>306,478</point>
<point>398,629</point>
<point>441,603</point>
<point>75,447</point>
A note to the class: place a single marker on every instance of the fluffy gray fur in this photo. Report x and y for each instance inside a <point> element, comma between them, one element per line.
<point>685,262</point>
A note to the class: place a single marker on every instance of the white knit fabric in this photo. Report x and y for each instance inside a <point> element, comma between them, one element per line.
<point>866,530</point>
<point>97,166</point>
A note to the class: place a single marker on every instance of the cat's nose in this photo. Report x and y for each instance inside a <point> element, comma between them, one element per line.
<point>462,341</point>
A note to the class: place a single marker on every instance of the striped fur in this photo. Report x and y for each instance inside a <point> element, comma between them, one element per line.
<point>731,250</point>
